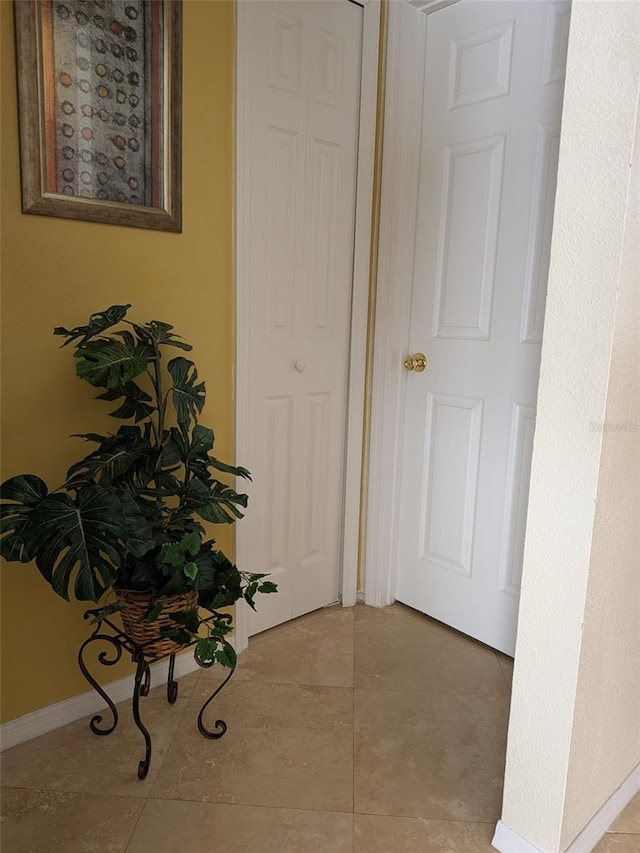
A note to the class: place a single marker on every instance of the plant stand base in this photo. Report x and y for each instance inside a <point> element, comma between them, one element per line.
<point>106,632</point>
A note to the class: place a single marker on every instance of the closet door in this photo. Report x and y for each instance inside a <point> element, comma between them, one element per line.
<point>302,64</point>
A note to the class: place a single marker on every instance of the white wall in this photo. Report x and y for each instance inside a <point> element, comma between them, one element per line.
<point>605,745</point>
<point>557,708</point>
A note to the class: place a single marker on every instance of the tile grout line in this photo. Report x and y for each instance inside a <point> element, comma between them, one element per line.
<point>160,798</point>
<point>440,694</point>
<point>504,674</point>
<point>45,790</point>
<point>173,737</point>
<point>285,627</point>
<point>166,755</point>
<point>214,803</point>
<point>272,683</point>
<point>135,826</point>
<point>421,818</point>
<point>295,683</point>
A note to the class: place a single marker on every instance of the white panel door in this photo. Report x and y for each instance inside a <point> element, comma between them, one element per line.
<point>303,133</point>
<point>492,104</point>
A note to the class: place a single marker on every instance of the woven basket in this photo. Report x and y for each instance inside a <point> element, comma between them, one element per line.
<point>147,634</point>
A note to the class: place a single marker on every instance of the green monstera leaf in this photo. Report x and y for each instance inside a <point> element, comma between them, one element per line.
<point>20,496</point>
<point>137,404</point>
<point>139,539</point>
<point>156,332</point>
<point>111,363</point>
<point>84,535</point>
<point>116,454</point>
<point>193,452</point>
<point>198,460</point>
<point>236,470</point>
<point>188,393</point>
<point>213,501</point>
<point>98,322</point>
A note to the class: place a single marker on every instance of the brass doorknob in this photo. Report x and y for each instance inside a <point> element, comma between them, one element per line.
<point>417,362</point>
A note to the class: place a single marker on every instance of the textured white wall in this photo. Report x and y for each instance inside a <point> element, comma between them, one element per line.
<point>605,745</point>
<point>601,97</point>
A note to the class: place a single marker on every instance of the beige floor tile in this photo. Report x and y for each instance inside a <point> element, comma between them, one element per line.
<point>36,821</point>
<point>614,842</point>
<point>287,745</point>
<point>629,820</point>
<point>430,741</point>
<point>72,758</point>
<point>317,649</point>
<point>378,834</point>
<point>397,648</point>
<point>198,827</point>
<point>432,756</point>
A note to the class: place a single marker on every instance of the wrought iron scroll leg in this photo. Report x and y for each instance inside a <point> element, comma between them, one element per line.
<point>141,688</point>
<point>220,725</point>
<point>172,684</point>
<point>102,657</point>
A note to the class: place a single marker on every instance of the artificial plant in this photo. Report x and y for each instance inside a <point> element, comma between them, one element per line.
<point>129,514</point>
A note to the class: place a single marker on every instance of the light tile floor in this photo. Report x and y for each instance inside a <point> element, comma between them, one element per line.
<point>350,731</point>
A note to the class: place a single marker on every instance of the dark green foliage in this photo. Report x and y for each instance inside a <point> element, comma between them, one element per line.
<point>112,364</point>
<point>25,493</point>
<point>188,397</point>
<point>99,322</point>
<point>135,402</point>
<point>129,513</point>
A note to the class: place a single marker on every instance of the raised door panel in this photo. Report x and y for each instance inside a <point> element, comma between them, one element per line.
<point>315,507</point>
<point>276,485</point>
<point>285,67</point>
<point>325,161</point>
<point>449,492</point>
<point>329,67</point>
<point>556,42</point>
<point>480,65</point>
<point>280,273</point>
<point>469,231</point>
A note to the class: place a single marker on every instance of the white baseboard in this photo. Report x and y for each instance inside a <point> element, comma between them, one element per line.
<point>507,840</point>
<point>59,714</point>
<point>612,809</point>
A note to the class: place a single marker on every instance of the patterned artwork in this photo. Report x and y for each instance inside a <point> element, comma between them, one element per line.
<point>103,102</point>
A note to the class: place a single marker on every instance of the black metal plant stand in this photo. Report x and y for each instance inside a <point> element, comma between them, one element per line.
<point>106,632</point>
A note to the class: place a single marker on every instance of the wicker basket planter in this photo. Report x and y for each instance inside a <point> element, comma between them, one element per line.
<point>147,634</point>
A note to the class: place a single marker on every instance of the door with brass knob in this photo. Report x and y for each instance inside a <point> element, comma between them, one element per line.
<point>485,150</point>
<point>417,362</point>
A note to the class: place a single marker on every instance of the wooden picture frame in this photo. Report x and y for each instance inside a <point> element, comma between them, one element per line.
<point>100,90</point>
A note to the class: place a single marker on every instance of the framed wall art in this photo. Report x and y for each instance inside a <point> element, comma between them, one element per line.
<point>99,85</point>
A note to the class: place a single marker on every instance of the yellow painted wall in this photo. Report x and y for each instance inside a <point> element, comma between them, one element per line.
<point>57,272</point>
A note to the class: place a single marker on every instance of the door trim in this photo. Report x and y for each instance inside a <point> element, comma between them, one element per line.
<point>399,199</point>
<point>359,303</point>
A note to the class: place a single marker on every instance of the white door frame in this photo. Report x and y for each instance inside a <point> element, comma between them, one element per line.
<point>406,32</point>
<point>360,294</point>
